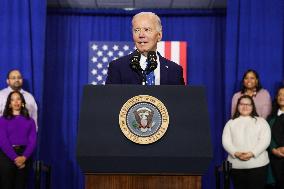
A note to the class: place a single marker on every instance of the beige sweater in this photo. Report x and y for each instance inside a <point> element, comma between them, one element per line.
<point>247,134</point>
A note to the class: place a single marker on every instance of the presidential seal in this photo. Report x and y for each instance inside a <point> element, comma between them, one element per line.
<point>143,119</point>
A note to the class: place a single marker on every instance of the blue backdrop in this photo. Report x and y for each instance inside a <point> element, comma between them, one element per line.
<point>254,39</point>
<point>216,60</point>
<point>22,36</point>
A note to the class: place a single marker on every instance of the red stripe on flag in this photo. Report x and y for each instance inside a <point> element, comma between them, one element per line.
<point>168,50</point>
<point>183,61</point>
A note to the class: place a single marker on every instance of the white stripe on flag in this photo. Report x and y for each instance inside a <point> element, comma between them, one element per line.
<point>161,48</point>
<point>175,52</point>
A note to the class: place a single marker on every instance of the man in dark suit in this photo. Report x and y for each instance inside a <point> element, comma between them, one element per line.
<point>147,32</point>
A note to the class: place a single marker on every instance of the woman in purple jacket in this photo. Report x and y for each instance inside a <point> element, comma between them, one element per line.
<point>17,142</point>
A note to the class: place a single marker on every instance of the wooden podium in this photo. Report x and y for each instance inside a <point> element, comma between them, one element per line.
<point>142,182</point>
<point>111,161</point>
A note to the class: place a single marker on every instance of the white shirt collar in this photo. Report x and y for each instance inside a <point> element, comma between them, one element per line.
<point>10,90</point>
<point>143,62</point>
<point>280,112</point>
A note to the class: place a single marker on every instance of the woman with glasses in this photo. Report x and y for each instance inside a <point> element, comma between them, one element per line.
<point>17,142</point>
<point>246,137</point>
<point>251,86</point>
<point>276,122</point>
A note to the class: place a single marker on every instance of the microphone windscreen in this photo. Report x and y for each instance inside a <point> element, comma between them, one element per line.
<point>135,61</point>
<point>151,56</point>
<point>152,61</point>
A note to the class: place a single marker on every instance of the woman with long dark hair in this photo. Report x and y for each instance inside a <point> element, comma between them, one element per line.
<point>251,86</point>
<point>246,137</point>
<point>276,122</point>
<point>17,142</point>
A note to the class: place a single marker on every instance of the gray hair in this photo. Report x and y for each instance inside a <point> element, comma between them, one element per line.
<point>153,15</point>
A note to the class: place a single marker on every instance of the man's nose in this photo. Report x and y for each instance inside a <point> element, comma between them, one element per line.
<point>142,34</point>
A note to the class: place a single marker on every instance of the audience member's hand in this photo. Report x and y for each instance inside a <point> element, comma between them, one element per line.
<point>22,166</point>
<point>238,154</point>
<point>246,156</point>
<point>281,149</point>
<point>20,160</point>
<point>277,152</point>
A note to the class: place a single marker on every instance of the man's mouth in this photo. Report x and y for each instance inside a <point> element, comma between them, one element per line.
<point>142,43</point>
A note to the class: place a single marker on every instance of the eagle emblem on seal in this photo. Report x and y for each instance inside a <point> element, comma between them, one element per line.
<point>144,119</point>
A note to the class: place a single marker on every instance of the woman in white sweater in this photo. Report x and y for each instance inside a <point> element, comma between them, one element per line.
<point>246,138</point>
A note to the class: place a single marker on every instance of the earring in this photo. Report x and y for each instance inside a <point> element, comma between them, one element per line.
<point>23,105</point>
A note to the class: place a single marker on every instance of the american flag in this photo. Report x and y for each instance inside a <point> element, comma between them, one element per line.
<point>103,52</point>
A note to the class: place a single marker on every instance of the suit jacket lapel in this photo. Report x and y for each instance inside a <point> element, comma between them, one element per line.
<point>163,70</point>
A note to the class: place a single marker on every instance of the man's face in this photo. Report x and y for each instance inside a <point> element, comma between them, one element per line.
<point>15,80</point>
<point>145,33</point>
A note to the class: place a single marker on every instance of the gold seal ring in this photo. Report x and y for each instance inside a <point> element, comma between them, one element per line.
<point>143,119</point>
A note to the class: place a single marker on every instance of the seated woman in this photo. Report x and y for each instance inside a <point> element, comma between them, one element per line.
<point>276,122</point>
<point>251,86</point>
<point>246,137</point>
<point>17,142</point>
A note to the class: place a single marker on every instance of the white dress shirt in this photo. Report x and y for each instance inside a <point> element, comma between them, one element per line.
<point>30,102</point>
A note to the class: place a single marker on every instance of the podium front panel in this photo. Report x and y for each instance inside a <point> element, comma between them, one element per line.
<point>184,149</point>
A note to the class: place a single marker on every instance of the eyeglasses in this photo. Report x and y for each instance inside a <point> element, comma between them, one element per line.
<point>145,30</point>
<point>246,105</point>
<point>14,78</point>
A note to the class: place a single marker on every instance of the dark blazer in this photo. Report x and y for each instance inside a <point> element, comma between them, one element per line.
<point>120,72</point>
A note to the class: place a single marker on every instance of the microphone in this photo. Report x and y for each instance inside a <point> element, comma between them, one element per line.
<point>152,61</point>
<point>135,61</point>
<point>135,65</point>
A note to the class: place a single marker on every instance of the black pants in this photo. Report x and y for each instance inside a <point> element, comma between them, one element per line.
<point>254,178</point>
<point>10,176</point>
<point>277,165</point>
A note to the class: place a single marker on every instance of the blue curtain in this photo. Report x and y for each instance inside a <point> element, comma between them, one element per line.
<point>255,39</point>
<point>22,36</point>
<point>68,35</point>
